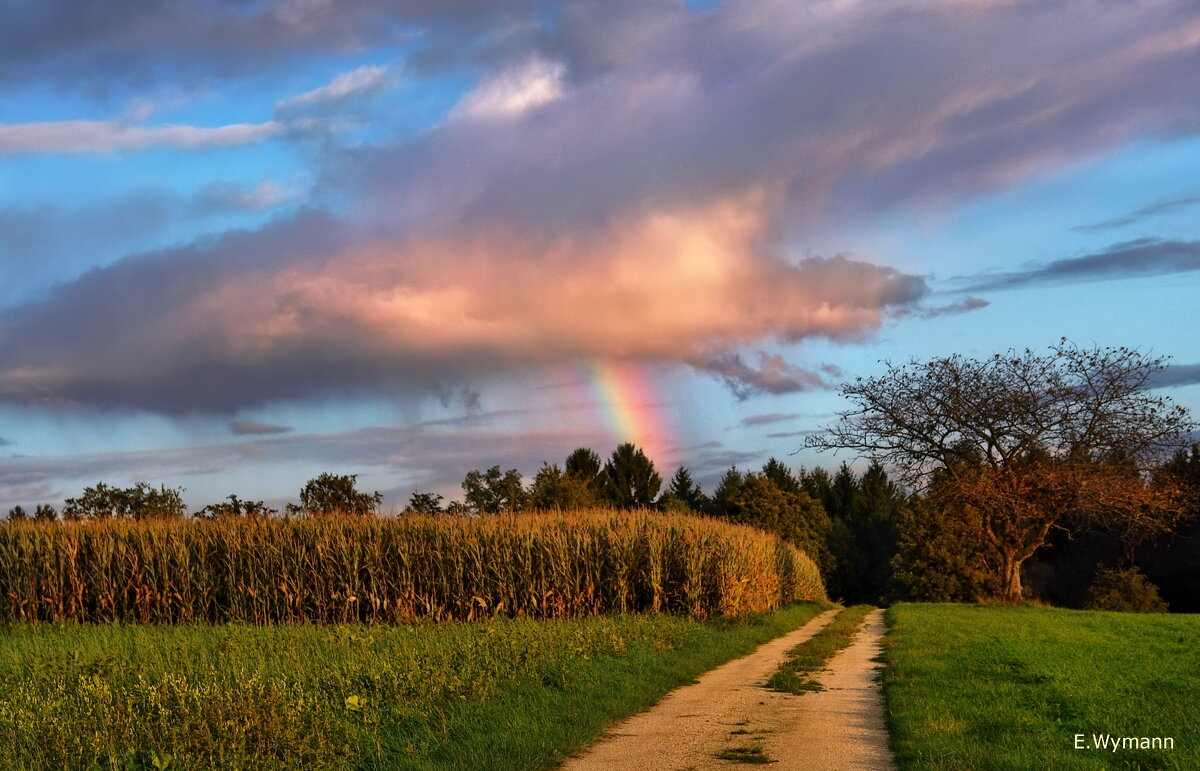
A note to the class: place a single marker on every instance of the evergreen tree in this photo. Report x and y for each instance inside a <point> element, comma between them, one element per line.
<point>722,502</point>
<point>629,479</point>
<point>683,494</point>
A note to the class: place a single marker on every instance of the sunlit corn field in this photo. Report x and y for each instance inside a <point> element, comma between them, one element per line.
<point>385,570</point>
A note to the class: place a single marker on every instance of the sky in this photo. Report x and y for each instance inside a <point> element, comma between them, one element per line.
<point>244,242</point>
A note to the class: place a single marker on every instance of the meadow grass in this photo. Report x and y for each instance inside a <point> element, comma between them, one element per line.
<point>1002,687</point>
<point>497,694</point>
<point>811,655</point>
<point>388,570</point>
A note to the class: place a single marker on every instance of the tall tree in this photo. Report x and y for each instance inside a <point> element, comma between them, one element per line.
<point>781,475</point>
<point>797,517</point>
<point>424,503</point>
<point>683,493</point>
<point>331,494</point>
<point>141,501</point>
<point>491,492</point>
<point>234,506</point>
<point>629,479</point>
<point>583,463</point>
<point>1015,440</point>
<point>726,492</point>
<point>554,489</point>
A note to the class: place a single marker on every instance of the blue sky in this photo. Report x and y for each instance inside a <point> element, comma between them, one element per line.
<point>242,243</point>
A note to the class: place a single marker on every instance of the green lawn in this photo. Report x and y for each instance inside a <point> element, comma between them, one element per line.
<point>506,694</point>
<point>1012,687</point>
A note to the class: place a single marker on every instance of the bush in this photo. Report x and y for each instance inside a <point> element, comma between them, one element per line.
<point>1128,591</point>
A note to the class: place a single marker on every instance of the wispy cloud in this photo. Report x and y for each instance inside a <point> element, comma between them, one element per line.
<point>1177,375</point>
<point>791,434</point>
<point>767,419</point>
<point>85,136</point>
<point>256,428</point>
<point>965,305</point>
<point>365,80</point>
<point>1139,214</point>
<point>1141,257</point>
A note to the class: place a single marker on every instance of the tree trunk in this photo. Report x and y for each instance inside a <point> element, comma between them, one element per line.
<point>1011,590</point>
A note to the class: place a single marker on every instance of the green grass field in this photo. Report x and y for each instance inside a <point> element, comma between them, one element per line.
<point>516,694</point>
<point>972,687</point>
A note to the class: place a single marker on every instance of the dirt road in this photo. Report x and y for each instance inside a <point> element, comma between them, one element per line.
<point>728,710</point>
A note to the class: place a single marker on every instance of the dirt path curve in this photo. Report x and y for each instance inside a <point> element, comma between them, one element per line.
<point>728,708</point>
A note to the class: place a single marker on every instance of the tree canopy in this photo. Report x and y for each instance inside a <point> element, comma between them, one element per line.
<point>1019,438</point>
<point>629,479</point>
<point>336,494</point>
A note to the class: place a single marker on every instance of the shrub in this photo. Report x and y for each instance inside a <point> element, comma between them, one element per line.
<point>1126,590</point>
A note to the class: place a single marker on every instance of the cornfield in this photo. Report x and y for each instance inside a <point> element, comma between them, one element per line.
<point>385,570</point>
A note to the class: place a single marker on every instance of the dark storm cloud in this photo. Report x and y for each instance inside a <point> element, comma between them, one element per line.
<point>1139,214</point>
<point>1130,259</point>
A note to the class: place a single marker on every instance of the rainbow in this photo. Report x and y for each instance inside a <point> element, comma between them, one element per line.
<point>624,400</point>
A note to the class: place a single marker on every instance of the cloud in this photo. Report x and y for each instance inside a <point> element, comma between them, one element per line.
<point>365,79</point>
<point>1130,259</point>
<point>1139,214</point>
<point>98,44</point>
<point>791,434</point>
<point>5,442</point>
<point>514,91</point>
<point>965,305</point>
<point>227,196</point>
<point>768,418</point>
<point>627,167</point>
<point>51,241</point>
<point>840,110</point>
<point>87,136</point>
<point>773,375</point>
<point>1177,375</point>
<point>255,428</point>
<point>294,311</point>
